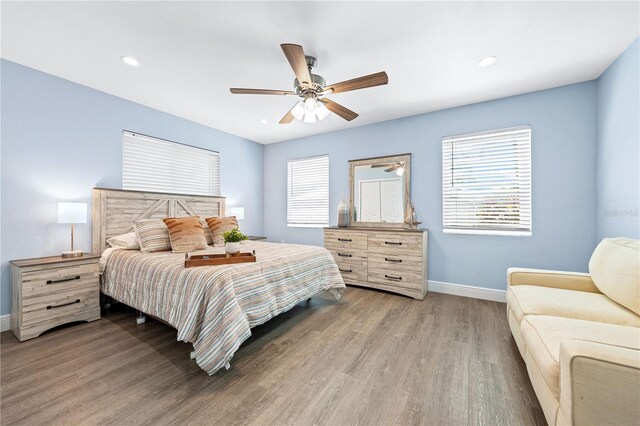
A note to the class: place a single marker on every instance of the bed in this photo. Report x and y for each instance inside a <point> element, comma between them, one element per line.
<point>212,307</point>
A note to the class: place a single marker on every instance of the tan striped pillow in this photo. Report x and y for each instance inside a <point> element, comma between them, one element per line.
<point>152,234</point>
<point>207,232</point>
<point>220,225</point>
<point>186,234</point>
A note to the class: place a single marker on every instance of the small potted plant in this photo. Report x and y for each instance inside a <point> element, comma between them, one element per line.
<point>232,240</point>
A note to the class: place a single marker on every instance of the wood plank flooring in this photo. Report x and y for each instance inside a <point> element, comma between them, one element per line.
<point>371,359</point>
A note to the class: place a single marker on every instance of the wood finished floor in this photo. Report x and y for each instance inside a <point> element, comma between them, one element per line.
<point>371,359</point>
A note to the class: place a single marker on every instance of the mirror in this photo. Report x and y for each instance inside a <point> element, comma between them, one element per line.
<point>380,190</point>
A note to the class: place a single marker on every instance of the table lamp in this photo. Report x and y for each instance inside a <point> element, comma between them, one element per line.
<point>238,212</point>
<point>72,213</point>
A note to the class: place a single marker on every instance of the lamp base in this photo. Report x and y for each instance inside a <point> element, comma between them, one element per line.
<point>69,254</point>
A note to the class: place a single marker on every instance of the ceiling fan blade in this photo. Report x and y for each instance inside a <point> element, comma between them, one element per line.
<point>295,56</point>
<point>288,117</point>
<point>392,168</point>
<point>379,166</point>
<point>239,91</point>
<point>336,108</point>
<point>372,80</point>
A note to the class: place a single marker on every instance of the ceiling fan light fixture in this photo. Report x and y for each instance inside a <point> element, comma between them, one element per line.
<point>321,111</point>
<point>310,116</point>
<point>400,171</point>
<point>298,110</point>
<point>310,104</point>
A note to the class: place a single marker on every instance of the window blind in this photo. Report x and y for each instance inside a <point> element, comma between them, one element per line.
<point>151,164</point>
<point>486,182</point>
<point>308,192</point>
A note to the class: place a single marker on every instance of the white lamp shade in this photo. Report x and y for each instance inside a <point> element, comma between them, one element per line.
<point>72,212</point>
<point>238,212</point>
<point>321,111</point>
<point>298,110</point>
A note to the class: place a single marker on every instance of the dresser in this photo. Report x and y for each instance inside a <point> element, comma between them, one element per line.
<point>51,291</point>
<point>394,260</point>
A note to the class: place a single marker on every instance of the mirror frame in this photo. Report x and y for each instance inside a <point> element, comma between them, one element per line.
<point>406,158</point>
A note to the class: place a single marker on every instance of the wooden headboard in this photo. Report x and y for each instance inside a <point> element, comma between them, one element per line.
<point>114,209</point>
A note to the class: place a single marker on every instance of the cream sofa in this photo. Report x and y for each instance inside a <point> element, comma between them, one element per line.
<point>579,335</point>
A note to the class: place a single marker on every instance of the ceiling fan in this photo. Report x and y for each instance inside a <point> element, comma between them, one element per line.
<point>313,89</point>
<point>398,167</point>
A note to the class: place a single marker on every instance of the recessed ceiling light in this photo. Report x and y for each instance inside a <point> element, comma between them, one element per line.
<point>264,121</point>
<point>130,61</point>
<point>486,62</point>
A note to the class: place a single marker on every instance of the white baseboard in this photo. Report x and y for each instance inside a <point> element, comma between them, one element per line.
<point>5,322</point>
<point>468,291</point>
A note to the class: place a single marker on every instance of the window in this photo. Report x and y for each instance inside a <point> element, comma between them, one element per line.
<point>308,192</point>
<point>486,182</point>
<point>150,164</point>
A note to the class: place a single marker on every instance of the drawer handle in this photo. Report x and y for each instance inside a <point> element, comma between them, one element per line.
<point>344,255</point>
<point>344,240</point>
<point>393,260</point>
<point>63,280</point>
<point>64,304</point>
<point>391,243</point>
<point>391,277</point>
<point>345,270</point>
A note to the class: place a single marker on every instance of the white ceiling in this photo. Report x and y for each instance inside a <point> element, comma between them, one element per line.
<point>192,53</point>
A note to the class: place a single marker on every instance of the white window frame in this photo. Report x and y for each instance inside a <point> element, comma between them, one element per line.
<point>158,165</point>
<point>311,183</point>
<point>488,153</point>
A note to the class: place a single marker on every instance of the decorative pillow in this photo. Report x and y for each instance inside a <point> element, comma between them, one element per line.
<point>127,241</point>
<point>615,270</point>
<point>186,234</point>
<point>220,225</point>
<point>207,232</point>
<point>153,235</point>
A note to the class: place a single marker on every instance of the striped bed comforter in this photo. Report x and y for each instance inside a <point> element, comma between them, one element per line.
<point>214,307</point>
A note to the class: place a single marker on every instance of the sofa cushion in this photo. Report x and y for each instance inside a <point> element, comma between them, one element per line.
<point>542,336</point>
<point>534,300</point>
<point>615,270</point>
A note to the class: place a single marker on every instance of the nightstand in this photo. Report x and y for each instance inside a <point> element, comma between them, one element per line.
<point>50,291</point>
<point>255,238</point>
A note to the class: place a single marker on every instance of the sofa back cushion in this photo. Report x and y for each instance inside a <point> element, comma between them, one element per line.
<point>615,270</point>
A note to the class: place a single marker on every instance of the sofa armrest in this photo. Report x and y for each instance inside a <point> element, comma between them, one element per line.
<point>557,279</point>
<point>599,384</point>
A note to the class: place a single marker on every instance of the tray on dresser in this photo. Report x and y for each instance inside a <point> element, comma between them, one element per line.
<point>217,259</point>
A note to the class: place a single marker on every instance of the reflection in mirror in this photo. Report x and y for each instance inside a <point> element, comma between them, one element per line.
<point>378,192</point>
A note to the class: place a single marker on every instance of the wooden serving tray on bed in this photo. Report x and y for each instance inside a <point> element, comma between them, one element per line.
<point>217,259</point>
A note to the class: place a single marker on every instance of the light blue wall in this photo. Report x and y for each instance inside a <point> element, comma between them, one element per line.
<point>618,165</point>
<point>563,122</point>
<point>60,139</point>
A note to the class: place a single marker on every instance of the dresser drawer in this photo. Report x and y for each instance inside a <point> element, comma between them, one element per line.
<point>354,240</point>
<point>394,243</point>
<point>396,278</point>
<point>65,305</point>
<point>349,255</point>
<point>396,261</point>
<point>36,283</point>
<point>353,274</point>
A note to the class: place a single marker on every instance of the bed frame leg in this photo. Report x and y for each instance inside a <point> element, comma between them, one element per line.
<point>140,318</point>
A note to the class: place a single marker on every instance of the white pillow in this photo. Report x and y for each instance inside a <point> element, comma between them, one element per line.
<point>127,241</point>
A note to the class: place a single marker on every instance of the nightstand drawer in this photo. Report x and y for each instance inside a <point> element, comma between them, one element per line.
<point>63,279</point>
<point>60,305</point>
